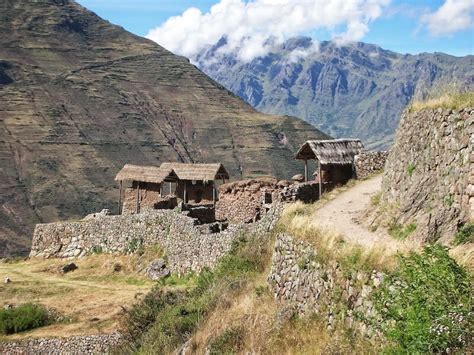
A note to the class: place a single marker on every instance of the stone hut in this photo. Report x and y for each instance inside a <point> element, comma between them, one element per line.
<point>335,160</point>
<point>148,186</point>
<point>197,182</point>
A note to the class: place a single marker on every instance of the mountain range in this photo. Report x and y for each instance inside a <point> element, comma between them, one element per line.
<point>353,90</point>
<point>80,97</point>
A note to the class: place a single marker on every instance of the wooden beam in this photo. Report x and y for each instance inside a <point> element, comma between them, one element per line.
<point>320,181</point>
<point>185,192</point>
<point>305,170</point>
<point>120,198</point>
<point>138,197</point>
<point>214,192</point>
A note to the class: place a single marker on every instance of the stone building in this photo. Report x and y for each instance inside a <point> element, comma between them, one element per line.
<point>335,160</point>
<point>149,187</point>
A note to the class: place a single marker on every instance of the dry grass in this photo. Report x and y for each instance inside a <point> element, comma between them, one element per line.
<point>454,101</point>
<point>92,296</point>
<point>298,221</point>
<point>464,255</point>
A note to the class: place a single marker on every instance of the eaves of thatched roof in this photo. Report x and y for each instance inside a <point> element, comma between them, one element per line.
<point>151,174</point>
<point>334,151</point>
<point>198,172</point>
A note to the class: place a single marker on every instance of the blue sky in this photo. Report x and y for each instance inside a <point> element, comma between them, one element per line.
<point>398,27</point>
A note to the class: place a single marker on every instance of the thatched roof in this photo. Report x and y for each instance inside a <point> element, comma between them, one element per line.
<point>334,151</point>
<point>151,174</point>
<point>198,172</point>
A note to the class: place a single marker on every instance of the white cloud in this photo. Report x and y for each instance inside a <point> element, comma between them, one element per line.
<point>248,24</point>
<point>451,17</point>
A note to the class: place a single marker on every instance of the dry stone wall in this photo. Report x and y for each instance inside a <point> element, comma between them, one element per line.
<point>187,249</point>
<point>368,163</point>
<point>300,281</point>
<point>429,176</point>
<point>92,344</point>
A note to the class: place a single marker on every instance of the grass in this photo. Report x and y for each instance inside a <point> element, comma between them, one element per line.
<point>81,295</point>
<point>401,232</point>
<point>297,220</point>
<point>454,101</point>
<point>464,235</point>
<point>24,317</point>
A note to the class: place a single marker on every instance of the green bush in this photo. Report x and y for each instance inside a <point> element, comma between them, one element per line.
<point>426,304</point>
<point>25,317</point>
<point>465,234</point>
<point>401,232</point>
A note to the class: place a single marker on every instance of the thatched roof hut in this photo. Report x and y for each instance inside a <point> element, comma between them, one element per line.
<point>151,174</point>
<point>198,172</point>
<point>334,152</point>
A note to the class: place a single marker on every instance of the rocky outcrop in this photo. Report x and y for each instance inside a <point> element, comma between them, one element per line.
<point>299,280</point>
<point>368,163</point>
<point>429,174</point>
<point>90,344</point>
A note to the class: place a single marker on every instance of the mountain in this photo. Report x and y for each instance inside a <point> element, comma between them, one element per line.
<point>80,97</point>
<point>356,90</point>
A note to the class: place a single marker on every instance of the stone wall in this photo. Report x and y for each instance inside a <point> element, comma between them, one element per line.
<point>368,163</point>
<point>187,249</point>
<point>245,201</point>
<point>299,280</point>
<point>91,344</point>
<point>429,176</point>
<point>242,201</point>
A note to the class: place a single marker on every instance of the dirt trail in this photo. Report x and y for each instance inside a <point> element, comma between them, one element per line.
<point>340,215</point>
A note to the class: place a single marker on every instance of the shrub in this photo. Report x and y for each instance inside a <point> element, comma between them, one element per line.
<point>229,342</point>
<point>426,303</point>
<point>410,169</point>
<point>25,317</point>
<point>401,232</point>
<point>465,234</point>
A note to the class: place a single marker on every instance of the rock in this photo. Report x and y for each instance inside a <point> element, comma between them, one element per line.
<point>68,268</point>
<point>8,306</point>
<point>298,178</point>
<point>103,213</point>
<point>117,267</point>
<point>7,280</point>
<point>157,270</point>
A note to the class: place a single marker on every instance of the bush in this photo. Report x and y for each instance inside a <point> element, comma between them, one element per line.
<point>465,234</point>
<point>401,232</point>
<point>426,303</point>
<point>229,342</point>
<point>25,317</point>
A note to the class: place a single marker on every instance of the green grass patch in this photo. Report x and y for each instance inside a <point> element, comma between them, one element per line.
<point>401,232</point>
<point>410,169</point>
<point>465,234</point>
<point>426,304</point>
<point>25,317</point>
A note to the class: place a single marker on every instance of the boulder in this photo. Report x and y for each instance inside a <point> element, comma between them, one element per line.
<point>7,280</point>
<point>298,178</point>
<point>105,212</point>
<point>68,268</point>
<point>157,269</point>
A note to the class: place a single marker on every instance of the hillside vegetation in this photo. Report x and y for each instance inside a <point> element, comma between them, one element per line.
<point>453,101</point>
<point>80,97</point>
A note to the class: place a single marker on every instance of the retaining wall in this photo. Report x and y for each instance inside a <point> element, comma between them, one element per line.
<point>299,280</point>
<point>368,163</point>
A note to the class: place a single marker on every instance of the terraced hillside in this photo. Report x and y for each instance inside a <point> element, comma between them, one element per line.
<point>80,97</point>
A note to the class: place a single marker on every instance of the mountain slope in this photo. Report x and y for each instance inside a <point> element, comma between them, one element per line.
<point>80,97</point>
<point>356,90</point>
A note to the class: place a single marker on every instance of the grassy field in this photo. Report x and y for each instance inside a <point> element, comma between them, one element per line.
<point>92,298</point>
<point>454,101</point>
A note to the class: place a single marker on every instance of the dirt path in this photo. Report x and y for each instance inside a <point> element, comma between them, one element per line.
<point>340,214</point>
